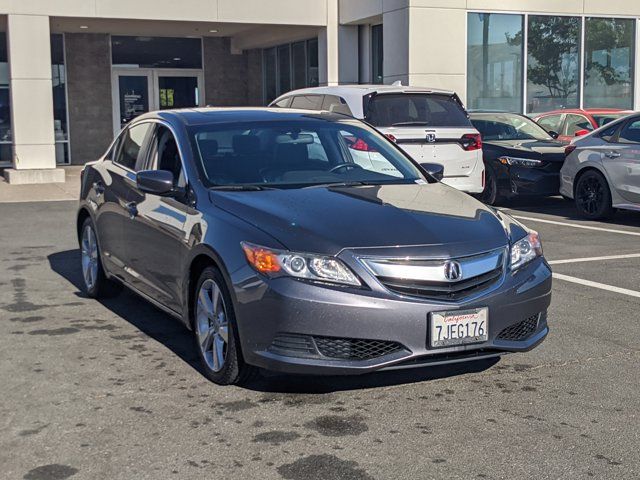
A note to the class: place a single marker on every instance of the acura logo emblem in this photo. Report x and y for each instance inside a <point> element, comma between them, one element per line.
<point>452,270</point>
<point>431,137</point>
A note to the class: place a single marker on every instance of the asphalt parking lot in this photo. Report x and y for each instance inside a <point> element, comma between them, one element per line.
<point>110,389</point>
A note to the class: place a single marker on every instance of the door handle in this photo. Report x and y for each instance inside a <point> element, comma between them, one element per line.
<point>98,187</point>
<point>612,154</point>
<point>132,208</point>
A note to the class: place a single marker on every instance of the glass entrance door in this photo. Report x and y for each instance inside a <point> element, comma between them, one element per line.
<point>137,91</point>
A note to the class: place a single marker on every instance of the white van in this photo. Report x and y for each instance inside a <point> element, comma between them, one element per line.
<point>430,125</point>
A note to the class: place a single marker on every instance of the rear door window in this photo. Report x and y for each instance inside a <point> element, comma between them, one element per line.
<point>416,109</point>
<point>630,133</point>
<point>284,103</point>
<point>307,102</point>
<point>333,103</point>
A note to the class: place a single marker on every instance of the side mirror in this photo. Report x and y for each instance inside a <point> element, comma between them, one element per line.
<point>157,182</point>
<point>434,169</point>
<point>582,132</point>
<point>553,134</point>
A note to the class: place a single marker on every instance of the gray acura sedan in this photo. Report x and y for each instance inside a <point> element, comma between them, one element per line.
<point>280,248</point>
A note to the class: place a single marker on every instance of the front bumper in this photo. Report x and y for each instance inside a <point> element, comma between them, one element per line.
<point>514,180</point>
<point>268,309</point>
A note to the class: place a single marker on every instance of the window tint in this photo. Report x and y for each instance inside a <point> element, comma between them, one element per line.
<point>610,132</point>
<point>131,144</point>
<point>575,123</point>
<point>551,123</point>
<point>287,154</point>
<point>336,104</point>
<point>166,156</point>
<point>284,103</point>
<point>416,109</point>
<point>307,102</point>
<point>630,133</point>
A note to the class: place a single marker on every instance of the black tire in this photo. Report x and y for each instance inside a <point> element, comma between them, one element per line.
<point>100,286</point>
<point>234,370</point>
<point>592,196</point>
<point>490,194</point>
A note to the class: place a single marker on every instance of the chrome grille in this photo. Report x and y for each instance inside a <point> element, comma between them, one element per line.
<point>427,278</point>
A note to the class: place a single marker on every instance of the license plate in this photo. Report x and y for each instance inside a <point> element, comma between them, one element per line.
<point>458,327</point>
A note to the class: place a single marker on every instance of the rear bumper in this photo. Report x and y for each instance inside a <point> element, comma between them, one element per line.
<point>472,183</point>
<point>270,310</point>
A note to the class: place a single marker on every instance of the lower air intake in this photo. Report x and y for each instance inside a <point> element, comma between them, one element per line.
<point>520,331</point>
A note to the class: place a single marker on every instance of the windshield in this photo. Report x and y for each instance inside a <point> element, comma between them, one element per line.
<point>298,154</point>
<point>508,127</point>
<point>415,109</point>
<point>602,120</point>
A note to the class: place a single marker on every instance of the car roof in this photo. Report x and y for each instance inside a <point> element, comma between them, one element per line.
<point>590,111</point>
<point>353,94</point>
<point>209,115</point>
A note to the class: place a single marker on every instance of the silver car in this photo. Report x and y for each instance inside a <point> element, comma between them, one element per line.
<point>602,169</point>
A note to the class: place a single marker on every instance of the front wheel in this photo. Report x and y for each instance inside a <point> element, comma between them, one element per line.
<point>96,283</point>
<point>490,194</point>
<point>592,196</point>
<point>214,331</point>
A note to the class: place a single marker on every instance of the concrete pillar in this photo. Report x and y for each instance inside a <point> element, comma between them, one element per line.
<point>29,49</point>
<point>337,50</point>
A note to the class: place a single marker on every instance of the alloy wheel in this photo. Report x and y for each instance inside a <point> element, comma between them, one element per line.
<point>212,325</point>
<point>590,195</point>
<point>89,249</point>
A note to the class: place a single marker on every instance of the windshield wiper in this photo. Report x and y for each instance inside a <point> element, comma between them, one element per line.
<point>241,188</point>
<point>410,124</point>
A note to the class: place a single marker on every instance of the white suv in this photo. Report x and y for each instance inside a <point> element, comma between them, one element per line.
<point>430,125</point>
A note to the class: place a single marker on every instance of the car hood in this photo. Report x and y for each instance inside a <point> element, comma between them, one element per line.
<point>330,219</point>
<point>551,151</point>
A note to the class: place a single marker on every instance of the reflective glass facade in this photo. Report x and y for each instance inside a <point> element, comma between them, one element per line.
<point>5,104</point>
<point>289,66</point>
<point>561,69</point>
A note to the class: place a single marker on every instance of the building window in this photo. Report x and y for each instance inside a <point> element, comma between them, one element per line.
<point>608,62</point>
<point>59,81</point>
<point>289,66</point>
<point>494,61</point>
<point>156,52</point>
<point>377,54</point>
<point>553,63</point>
<point>6,150</point>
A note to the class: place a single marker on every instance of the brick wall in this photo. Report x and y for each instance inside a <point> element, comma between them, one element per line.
<point>89,95</point>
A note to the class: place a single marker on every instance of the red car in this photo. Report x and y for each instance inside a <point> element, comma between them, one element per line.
<point>570,123</point>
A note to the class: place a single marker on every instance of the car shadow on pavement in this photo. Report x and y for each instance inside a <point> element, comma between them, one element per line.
<point>558,206</point>
<point>172,334</point>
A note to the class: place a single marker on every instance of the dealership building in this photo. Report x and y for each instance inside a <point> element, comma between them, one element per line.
<point>73,72</point>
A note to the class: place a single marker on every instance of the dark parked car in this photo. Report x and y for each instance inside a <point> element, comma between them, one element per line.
<point>256,229</point>
<point>520,157</point>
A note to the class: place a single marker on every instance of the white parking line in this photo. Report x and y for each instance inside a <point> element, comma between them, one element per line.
<point>601,286</point>
<point>593,259</point>
<point>574,225</point>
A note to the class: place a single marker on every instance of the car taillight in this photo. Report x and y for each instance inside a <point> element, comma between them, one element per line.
<point>361,146</point>
<point>568,149</point>
<point>471,141</point>
<point>390,137</point>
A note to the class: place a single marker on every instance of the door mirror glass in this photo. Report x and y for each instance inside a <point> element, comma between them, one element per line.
<point>434,169</point>
<point>157,182</point>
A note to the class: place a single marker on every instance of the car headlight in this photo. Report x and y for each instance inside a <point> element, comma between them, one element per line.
<point>277,263</point>
<point>525,250</point>
<point>520,162</point>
